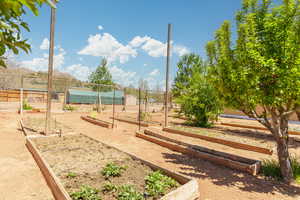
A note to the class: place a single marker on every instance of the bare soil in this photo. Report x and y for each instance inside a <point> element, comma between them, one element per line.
<point>86,158</point>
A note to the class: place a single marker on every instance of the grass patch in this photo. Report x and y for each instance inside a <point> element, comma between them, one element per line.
<point>157,184</point>
<point>86,193</point>
<point>109,187</point>
<point>71,175</point>
<point>271,168</point>
<point>112,170</point>
<point>69,108</point>
<point>27,106</point>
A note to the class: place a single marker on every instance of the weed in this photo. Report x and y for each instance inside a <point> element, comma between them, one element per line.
<point>128,192</point>
<point>71,175</point>
<point>157,184</point>
<point>109,187</point>
<point>112,170</point>
<point>26,106</point>
<point>86,193</point>
<point>69,107</point>
<point>271,168</point>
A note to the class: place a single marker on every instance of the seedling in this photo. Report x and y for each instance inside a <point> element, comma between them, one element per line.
<point>157,184</point>
<point>71,175</point>
<point>128,192</point>
<point>86,193</point>
<point>109,187</point>
<point>112,170</point>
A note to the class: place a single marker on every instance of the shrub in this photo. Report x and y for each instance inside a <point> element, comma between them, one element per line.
<point>71,175</point>
<point>271,168</point>
<point>157,184</point>
<point>26,106</point>
<point>144,116</point>
<point>128,192</point>
<point>112,170</point>
<point>69,107</point>
<point>86,193</point>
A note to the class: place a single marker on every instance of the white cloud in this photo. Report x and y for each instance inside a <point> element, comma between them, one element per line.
<point>156,48</point>
<point>79,71</point>
<point>100,27</point>
<point>145,64</point>
<point>45,44</point>
<point>123,77</point>
<point>107,46</point>
<point>41,63</point>
<point>154,72</point>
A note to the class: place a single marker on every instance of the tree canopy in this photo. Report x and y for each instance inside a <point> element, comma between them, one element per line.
<point>262,67</point>
<point>102,76</point>
<point>11,25</point>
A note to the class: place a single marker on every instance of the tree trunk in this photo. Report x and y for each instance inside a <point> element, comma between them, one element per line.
<point>279,129</point>
<point>298,114</point>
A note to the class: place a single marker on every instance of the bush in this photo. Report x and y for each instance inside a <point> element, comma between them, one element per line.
<point>109,187</point>
<point>69,108</point>
<point>144,116</point>
<point>86,193</point>
<point>128,192</point>
<point>157,184</point>
<point>26,106</point>
<point>271,168</point>
<point>112,170</point>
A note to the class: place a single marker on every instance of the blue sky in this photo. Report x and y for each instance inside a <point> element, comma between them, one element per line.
<point>131,34</point>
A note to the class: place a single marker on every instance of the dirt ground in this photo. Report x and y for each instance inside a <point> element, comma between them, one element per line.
<point>20,177</point>
<point>215,182</point>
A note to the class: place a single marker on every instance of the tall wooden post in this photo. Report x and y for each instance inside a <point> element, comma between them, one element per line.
<point>50,70</point>
<point>21,96</point>
<point>114,107</point>
<point>139,116</point>
<point>167,73</point>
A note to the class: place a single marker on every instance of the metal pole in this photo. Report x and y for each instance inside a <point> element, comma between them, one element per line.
<point>114,108</point>
<point>167,73</point>
<point>139,116</point>
<point>50,70</point>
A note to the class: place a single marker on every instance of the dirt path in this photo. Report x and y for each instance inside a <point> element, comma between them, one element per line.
<point>20,177</point>
<point>215,182</point>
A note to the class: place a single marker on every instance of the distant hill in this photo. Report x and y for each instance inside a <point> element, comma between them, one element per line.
<point>10,78</point>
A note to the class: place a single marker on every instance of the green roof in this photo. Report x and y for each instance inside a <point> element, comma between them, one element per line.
<point>118,94</point>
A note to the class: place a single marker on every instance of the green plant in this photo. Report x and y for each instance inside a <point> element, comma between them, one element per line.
<point>109,187</point>
<point>71,175</point>
<point>144,116</point>
<point>112,170</point>
<point>157,184</point>
<point>128,192</point>
<point>198,100</point>
<point>271,168</point>
<point>101,78</point>
<point>26,106</point>
<point>69,107</point>
<point>86,193</point>
<point>261,68</point>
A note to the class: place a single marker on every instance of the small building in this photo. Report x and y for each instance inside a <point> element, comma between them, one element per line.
<point>91,97</point>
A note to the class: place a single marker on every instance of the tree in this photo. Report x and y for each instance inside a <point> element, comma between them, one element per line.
<point>262,68</point>
<point>197,98</point>
<point>11,24</point>
<point>102,76</point>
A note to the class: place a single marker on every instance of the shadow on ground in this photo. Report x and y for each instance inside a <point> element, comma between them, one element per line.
<point>222,176</point>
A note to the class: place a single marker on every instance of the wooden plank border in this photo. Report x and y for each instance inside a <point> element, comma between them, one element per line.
<point>97,121</point>
<point>232,144</point>
<point>131,121</point>
<point>252,169</point>
<point>255,127</point>
<point>188,191</point>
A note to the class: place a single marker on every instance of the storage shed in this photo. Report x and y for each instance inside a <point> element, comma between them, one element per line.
<point>91,97</point>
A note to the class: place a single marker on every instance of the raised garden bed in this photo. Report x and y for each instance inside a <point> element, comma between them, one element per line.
<point>74,164</point>
<point>215,138</point>
<point>228,160</point>
<point>255,127</point>
<point>36,126</point>
<point>97,121</point>
<point>131,121</point>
